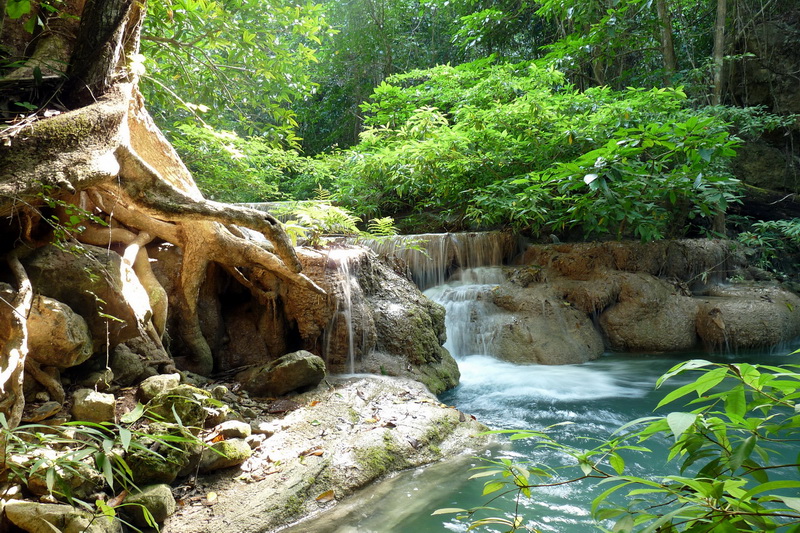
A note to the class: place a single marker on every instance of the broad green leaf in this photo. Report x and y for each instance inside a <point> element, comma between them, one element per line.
<point>493,486</point>
<point>680,422</point>
<point>792,503</point>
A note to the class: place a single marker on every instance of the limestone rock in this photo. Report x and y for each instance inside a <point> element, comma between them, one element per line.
<point>737,318</point>
<point>535,325</point>
<point>649,317</point>
<point>157,499</point>
<point>91,406</point>
<point>185,401</point>
<point>155,385</point>
<point>224,454</point>
<point>57,335</point>
<point>126,365</point>
<point>47,517</point>
<point>291,372</point>
<point>179,458</point>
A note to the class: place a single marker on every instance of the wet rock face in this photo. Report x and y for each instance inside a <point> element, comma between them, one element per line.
<point>535,325</point>
<point>732,318</point>
<point>377,320</point>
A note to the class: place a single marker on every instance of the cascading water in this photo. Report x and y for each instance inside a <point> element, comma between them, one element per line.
<point>469,309</point>
<point>433,258</point>
<point>342,319</point>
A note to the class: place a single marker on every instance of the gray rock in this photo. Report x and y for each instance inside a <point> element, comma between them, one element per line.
<point>224,454</point>
<point>48,517</point>
<point>157,499</point>
<point>155,385</point>
<point>126,365</point>
<point>91,406</point>
<point>100,380</point>
<point>291,372</point>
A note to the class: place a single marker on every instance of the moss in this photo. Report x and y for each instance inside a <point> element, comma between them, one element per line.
<point>378,460</point>
<point>293,505</point>
<point>438,432</point>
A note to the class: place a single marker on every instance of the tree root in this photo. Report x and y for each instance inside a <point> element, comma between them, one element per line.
<point>12,374</point>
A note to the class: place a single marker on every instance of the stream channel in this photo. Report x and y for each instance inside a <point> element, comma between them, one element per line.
<point>595,398</point>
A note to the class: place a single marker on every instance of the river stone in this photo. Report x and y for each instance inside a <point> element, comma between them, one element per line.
<point>157,499</point>
<point>234,429</point>
<point>48,517</point>
<point>740,317</point>
<point>293,371</point>
<point>155,385</point>
<point>92,406</point>
<point>224,454</point>
<point>100,284</point>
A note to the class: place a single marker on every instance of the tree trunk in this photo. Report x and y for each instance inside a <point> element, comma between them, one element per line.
<point>667,44</point>
<point>718,55</point>
<point>106,153</point>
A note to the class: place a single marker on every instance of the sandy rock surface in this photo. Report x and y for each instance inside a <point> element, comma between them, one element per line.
<point>343,435</point>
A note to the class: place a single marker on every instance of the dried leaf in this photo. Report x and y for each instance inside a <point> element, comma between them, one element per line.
<point>326,497</point>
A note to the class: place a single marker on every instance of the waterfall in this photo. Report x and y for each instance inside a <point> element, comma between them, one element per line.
<point>346,287</point>
<point>432,258</point>
<point>470,318</point>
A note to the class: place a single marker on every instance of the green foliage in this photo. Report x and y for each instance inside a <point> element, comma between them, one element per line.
<point>485,144</point>
<point>59,453</point>
<point>230,168</point>
<point>311,222</point>
<point>772,242</point>
<point>733,450</point>
<point>239,62</point>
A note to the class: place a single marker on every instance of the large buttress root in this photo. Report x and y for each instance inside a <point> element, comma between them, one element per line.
<point>15,351</point>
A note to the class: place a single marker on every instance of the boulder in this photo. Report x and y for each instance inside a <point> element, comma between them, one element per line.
<point>101,286</point>
<point>378,322</point>
<point>155,385</point>
<point>157,499</point>
<point>187,402</point>
<point>91,406</point>
<point>48,517</point>
<point>224,454</point>
<point>158,463</point>
<point>535,325</point>
<point>57,336</point>
<point>126,365</point>
<point>293,371</point>
<point>649,316</point>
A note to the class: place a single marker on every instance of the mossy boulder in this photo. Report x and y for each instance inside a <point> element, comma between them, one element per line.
<point>187,402</point>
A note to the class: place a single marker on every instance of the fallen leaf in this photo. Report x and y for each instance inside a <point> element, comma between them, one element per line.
<point>118,499</point>
<point>326,497</point>
<point>313,403</point>
<point>211,497</point>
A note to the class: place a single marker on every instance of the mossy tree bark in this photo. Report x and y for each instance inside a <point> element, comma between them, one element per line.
<point>104,152</point>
